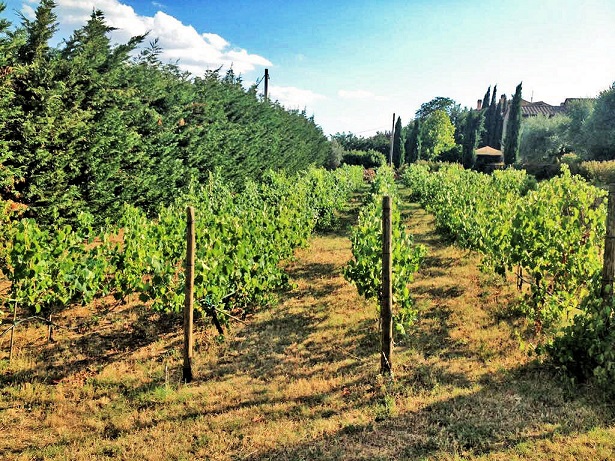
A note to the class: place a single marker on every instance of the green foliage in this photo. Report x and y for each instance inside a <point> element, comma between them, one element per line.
<point>513,129</point>
<point>486,99</point>
<point>365,269</point>
<point>543,138</point>
<point>438,103</point>
<point>241,240</point>
<point>398,148</point>
<point>379,142</point>
<point>489,111</point>
<point>579,112</point>
<point>335,155</point>
<point>586,348</point>
<point>87,126</point>
<point>437,135</point>
<point>498,124</point>
<point>493,113</point>
<point>557,232</point>
<point>598,173</point>
<point>367,159</point>
<point>600,127</point>
<point>553,232</point>
<point>413,142</point>
<point>472,129</point>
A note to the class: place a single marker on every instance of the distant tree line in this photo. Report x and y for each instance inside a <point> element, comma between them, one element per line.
<point>443,131</point>
<point>586,128</point>
<point>88,125</point>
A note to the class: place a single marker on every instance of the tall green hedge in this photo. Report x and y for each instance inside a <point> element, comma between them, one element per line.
<point>87,125</point>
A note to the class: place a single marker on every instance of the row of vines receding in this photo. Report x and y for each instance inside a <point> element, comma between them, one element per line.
<point>551,234</point>
<point>241,240</point>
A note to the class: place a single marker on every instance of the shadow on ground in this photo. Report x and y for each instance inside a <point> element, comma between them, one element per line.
<point>520,406</point>
<point>98,345</point>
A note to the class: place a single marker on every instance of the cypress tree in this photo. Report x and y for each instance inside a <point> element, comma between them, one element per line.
<point>472,131</point>
<point>412,145</point>
<point>499,122</point>
<point>486,99</point>
<point>398,153</point>
<point>483,139</point>
<point>38,33</point>
<point>491,121</point>
<point>513,129</point>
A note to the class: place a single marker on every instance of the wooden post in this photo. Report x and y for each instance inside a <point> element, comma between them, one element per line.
<point>386,314</point>
<point>266,84</point>
<point>189,297</point>
<point>392,138</point>
<point>50,330</point>
<point>608,268</point>
<point>12,341</point>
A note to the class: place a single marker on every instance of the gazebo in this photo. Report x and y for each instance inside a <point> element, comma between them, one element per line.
<point>489,159</point>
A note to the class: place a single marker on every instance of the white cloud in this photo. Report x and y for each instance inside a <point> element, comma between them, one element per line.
<point>294,98</point>
<point>28,11</point>
<point>196,51</point>
<point>215,40</point>
<point>359,95</point>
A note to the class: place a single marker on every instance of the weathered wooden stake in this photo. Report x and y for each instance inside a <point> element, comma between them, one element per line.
<point>12,341</point>
<point>50,330</point>
<point>608,268</point>
<point>386,310</point>
<point>189,297</point>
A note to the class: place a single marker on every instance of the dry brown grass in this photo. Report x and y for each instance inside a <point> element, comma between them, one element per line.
<point>299,380</point>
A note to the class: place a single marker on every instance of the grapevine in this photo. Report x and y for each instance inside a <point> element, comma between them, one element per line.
<point>365,269</point>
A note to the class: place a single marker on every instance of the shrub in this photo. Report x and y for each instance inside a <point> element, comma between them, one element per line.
<point>586,349</point>
<point>366,159</point>
<point>598,173</point>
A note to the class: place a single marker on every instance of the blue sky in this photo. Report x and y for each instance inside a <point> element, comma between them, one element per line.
<point>353,63</point>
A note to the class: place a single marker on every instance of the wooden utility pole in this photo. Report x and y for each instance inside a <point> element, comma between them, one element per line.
<point>266,84</point>
<point>392,137</point>
<point>386,309</point>
<point>189,299</point>
<point>608,268</point>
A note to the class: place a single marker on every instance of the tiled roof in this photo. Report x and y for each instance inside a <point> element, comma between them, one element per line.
<point>488,150</point>
<point>540,108</point>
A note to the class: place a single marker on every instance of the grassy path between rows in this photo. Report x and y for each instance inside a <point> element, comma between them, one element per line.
<point>299,381</point>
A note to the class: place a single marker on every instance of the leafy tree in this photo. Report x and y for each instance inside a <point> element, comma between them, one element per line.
<point>579,112</point>
<point>600,127</point>
<point>513,128</point>
<point>438,103</point>
<point>437,135</point>
<point>398,148</point>
<point>380,142</point>
<point>366,159</point>
<point>543,138</point>
<point>334,160</point>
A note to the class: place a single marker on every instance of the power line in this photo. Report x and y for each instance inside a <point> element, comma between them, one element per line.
<point>373,129</point>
